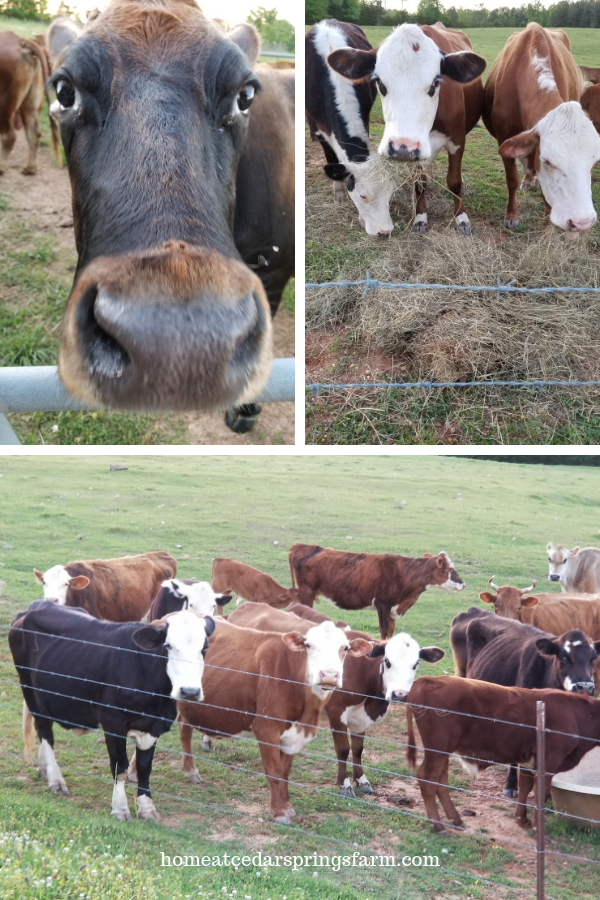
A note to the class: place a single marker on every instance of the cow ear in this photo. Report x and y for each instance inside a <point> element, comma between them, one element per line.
<point>597,646</point>
<point>355,65</point>
<point>378,650</point>
<point>150,637</point>
<point>549,547</point>
<point>209,625</point>
<point>520,145</point>
<point>487,597</point>
<point>79,582</point>
<point>431,654</point>
<point>574,552</point>
<point>39,575</point>
<point>528,602</point>
<point>462,67</point>
<point>224,599</point>
<point>293,640</point>
<point>336,171</point>
<point>350,183</point>
<point>359,647</point>
<point>247,39</point>
<point>547,647</point>
<point>428,556</point>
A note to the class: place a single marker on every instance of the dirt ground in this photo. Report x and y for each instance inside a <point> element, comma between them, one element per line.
<point>43,203</point>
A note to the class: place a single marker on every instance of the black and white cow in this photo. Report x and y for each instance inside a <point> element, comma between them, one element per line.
<point>81,673</point>
<point>338,117</point>
<point>187,593</point>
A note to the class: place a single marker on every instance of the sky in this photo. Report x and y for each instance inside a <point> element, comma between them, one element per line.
<point>411,5</point>
<point>233,11</point>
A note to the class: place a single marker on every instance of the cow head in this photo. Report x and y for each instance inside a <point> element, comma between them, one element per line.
<point>326,647</point>
<point>370,188</point>
<point>444,574</point>
<point>183,638</point>
<point>153,103</point>
<point>565,145</point>
<point>401,656</point>
<point>408,69</point>
<point>57,581</point>
<point>199,595</point>
<point>558,558</point>
<point>509,601</point>
<point>575,655</point>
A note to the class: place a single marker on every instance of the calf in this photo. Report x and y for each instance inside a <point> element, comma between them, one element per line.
<point>590,104</point>
<point>431,93</point>
<point>485,724</point>
<point>386,581</point>
<point>249,584</point>
<point>511,602</point>
<point>531,106</point>
<point>337,112</point>
<point>120,590</point>
<point>370,682</point>
<point>65,657</point>
<point>575,570</point>
<point>275,686</point>
<point>307,612</point>
<point>186,593</point>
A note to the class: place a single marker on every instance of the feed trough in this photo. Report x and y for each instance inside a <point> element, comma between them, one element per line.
<point>576,793</point>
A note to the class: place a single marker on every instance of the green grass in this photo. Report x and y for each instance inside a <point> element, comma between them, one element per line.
<point>23,27</point>
<point>494,519</point>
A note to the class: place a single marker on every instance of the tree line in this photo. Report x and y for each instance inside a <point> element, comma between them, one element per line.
<point>565,14</point>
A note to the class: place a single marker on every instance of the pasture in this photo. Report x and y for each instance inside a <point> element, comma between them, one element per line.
<point>493,518</point>
<point>409,335</point>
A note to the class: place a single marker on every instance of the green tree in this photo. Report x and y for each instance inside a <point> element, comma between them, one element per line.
<point>371,12</point>
<point>315,10</point>
<point>344,10</point>
<point>429,12</point>
<point>24,9</point>
<point>275,33</point>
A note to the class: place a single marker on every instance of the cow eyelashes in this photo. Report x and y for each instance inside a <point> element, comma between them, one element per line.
<point>381,86</point>
<point>388,664</point>
<point>434,85</point>
<point>65,93</point>
<point>245,97</point>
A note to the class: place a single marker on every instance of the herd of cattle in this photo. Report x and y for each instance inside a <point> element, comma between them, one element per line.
<point>86,660</point>
<point>535,103</point>
<point>180,149</point>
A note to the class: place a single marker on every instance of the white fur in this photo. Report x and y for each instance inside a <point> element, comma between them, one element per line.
<point>469,767</point>
<point>49,768</point>
<point>326,39</point>
<point>402,652</point>
<point>568,684</point>
<point>545,78</point>
<point>295,738</point>
<point>55,583</point>
<point>146,808</point>
<point>186,637</point>
<point>119,806</point>
<point>201,597</point>
<point>325,651</point>
<point>142,739</point>
<point>357,719</point>
<point>363,780</point>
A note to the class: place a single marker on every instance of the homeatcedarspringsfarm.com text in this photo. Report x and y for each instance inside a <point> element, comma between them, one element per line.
<point>334,863</point>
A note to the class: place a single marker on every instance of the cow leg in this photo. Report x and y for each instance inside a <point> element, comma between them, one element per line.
<point>31,123</point>
<point>358,742</point>
<point>386,623</point>
<point>145,806</point>
<point>7,142</point>
<point>529,177</point>
<point>47,761</point>
<point>420,220</point>
<point>28,733</point>
<point>511,218</point>
<point>454,182</point>
<point>117,751</point>
<point>286,767</point>
<point>342,751</point>
<point>187,760</point>
<point>510,785</point>
<point>526,782</point>
<point>271,756</point>
<point>446,800</point>
<point>132,776</point>
<point>428,774</point>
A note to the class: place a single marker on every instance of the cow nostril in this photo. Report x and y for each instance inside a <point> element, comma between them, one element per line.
<point>106,358</point>
<point>399,696</point>
<point>188,693</point>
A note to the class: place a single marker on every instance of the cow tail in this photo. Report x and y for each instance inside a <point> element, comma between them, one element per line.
<point>411,748</point>
<point>42,55</point>
<point>292,571</point>
<point>28,733</point>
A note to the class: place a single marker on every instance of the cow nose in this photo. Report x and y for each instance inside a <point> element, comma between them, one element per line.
<point>584,687</point>
<point>405,151</point>
<point>580,224</point>
<point>384,232</point>
<point>399,696</point>
<point>554,577</point>
<point>190,693</point>
<point>329,676</point>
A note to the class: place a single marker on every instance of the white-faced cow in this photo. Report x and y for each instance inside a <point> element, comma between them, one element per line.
<point>121,590</point>
<point>338,112</point>
<point>125,678</point>
<point>431,94</point>
<point>532,108</point>
<point>187,593</point>
<point>166,312</point>
<point>575,570</point>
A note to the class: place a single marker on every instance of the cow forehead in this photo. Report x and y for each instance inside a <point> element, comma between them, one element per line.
<point>402,649</point>
<point>574,639</point>
<point>566,132</point>
<point>407,55</point>
<point>326,636</point>
<point>56,575</point>
<point>185,628</point>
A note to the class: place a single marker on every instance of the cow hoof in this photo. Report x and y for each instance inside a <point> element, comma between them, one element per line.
<point>366,787</point>
<point>282,819</point>
<point>194,777</point>
<point>458,822</point>
<point>419,227</point>
<point>511,792</point>
<point>29,170</point>
<point>242,419</point>
<point>464,228</point>
<point>207,743</point>
<point>511,223</point>
<point>146,809</point>
<point>121,815</point>
<point>291,813</point>
<point>524,823</point>
<point>439,827</point>
<point>347,791</point>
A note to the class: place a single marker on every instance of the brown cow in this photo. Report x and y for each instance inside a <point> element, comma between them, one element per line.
<point>121,590</point>
<point>590,103</point>
<point>23,75</point>
<point>511,603</point>
<point>531,106</point>
<point>485,724</point>
<point>386,581</point>
<point>249,584</point>
<point>370,683</point>
<point>292,678</point>
<point>307,612</point>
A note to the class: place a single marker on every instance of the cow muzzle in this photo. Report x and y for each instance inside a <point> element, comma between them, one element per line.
<point>398,696</point>
<point>554,577</point>
<point>584,687</point>
<point>189,693</point>
<point>329,679</point>
<point>404,150</point>
<point>172,329</point>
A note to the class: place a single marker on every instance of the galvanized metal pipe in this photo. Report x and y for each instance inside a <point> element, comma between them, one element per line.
<point>540,789</point>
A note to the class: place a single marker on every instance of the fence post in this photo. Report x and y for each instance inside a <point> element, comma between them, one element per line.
<point>540,785</point>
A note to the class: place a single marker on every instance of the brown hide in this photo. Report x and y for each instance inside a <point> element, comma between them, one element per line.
<point>306,612</point>
<point>249,584</point>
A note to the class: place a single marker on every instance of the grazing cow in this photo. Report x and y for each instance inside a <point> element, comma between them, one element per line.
<point>532,108</point>
<point>61,33</point>
<point>275,686</point>
<point>590,104</point>
<point>248,583</point>
<point>503,651</point>
<point>23,76</point>
<point>186,593</point>
<point>125,678</point>
<point>486,724</point>
<point>121,590</point>
<point>337,112</point>
<point>575,570</point>
<point>370,683</point>
<point>415,69</point>
<point>386,581</point>
<point>307,612</point>
<point>166,311</point>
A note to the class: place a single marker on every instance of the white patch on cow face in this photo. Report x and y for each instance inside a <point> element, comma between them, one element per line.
<point>569,147</point>
<point>545,78</point>
<point>325,653</point>
<point>568,684</point>
<point>56,582</point>
<point>449,584</point>
<point>399,665</point>
<point>184,643</point>
<point>557,560</point>
<point>408,77</point>
<point>295,738</point>
<point>201,597</point>
<point>326,39</point>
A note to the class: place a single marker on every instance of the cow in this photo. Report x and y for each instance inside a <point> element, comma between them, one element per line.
<point>275,685</point>
<point>502,651</point>
<point>338,112</point>
<point>121,590</point>
<point>126,678</point>
<point>248,583</point>
<point>590,104</point>
<point>511,603</point>
<point>575,570</point>
<point>369,684</point>
<point>531,106</point>
<point>62,32</point>
<point>387,581</point>
<point>431,93</point>
<point>485,724</point>
<point>186,593</point>
<point>307,612</point>
<point>171,177</point>
<point>23,76</point>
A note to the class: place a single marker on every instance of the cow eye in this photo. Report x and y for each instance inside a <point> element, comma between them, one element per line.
<point>547,162</point>
<point>381,86</point>
<point>65,93</point>
<point>388,664</point>
<point>416,664</point>
<point>364,197</point>
<point>245,97</point>
<point>168,647</point>
<point>434,85</point>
